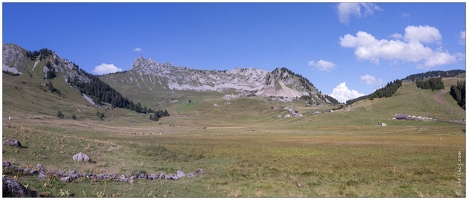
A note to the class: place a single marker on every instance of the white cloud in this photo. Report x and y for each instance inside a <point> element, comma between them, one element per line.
<point>345,10</point>
<point>410,49</point>
<point>462,37</point>
<point>370,80</point>
<point>106,69</point>
<point>137,49</point>
<point>322,65</point>
<point>405,15</point>
<point>425,34</point>
<point>397,36</point>
<point>311,63</point>
<point>343,93</point>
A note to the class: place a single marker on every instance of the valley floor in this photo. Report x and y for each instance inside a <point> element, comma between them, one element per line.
<point>274,158</point>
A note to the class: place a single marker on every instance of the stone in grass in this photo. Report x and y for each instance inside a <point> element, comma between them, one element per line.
<point>199,172</point>
<point>73,176</point>
<point>11,188</point>
<point>101,177</point>
<point>13,142</point>
<point>42,175</point>
<point>190,175</point>
<point>180,174</point>
<point>143,176</point>
<point>81,157</point>
<point>6,164</point>
<point>153,177</point>
<point>66,179</point>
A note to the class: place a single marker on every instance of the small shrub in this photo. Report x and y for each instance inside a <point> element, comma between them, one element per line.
<point>59,114</point>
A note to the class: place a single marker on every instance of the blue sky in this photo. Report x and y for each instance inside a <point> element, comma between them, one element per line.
<point>345,50</point>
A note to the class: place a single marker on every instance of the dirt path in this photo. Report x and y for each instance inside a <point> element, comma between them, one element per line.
<point>439,99</point>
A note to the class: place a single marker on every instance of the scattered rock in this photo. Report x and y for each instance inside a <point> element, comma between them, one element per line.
<point>190,175</point>
<point>81,157</point>
<point>171,177</point>
<point>6,164</point>
<point>101,177</point>
<point>39,167</point>
<point>11,188</point>
<point>199,172</point>
<point>13,142</point>
<point>143,176</point>
<point>42,175</point>
<point>72,176</point>
<point>153,176</point>
<point>65,179</point>
<point>180,174</point>
<point>20,170</point>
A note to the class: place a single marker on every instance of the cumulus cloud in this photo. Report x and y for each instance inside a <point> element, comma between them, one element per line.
<point>425,34</point>
<point>343,93</point>
<point>370,80</point>
<point>105,69</point>
<point>137,49</point>
<point>322,65</point>
<point>346,10</point>
<point>409,48</point>
<point>462,37</point>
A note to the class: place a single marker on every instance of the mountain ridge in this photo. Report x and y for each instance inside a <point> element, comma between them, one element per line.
<point>281,83</point>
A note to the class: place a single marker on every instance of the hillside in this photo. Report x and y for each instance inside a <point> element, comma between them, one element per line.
<point>410,100</point>
<point>38,84</point>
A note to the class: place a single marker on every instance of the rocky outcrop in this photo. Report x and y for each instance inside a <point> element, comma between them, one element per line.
<point>81,157</point>
<point>13,142</point>
<point>12,188</point>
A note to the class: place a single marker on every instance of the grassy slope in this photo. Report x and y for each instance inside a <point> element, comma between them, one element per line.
<point>243,148</point>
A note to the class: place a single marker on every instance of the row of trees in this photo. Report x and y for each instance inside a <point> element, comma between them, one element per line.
<point>458,93</point>
<point>387,91</point>
<point>43,53</point>
<point>433,74</point>
<point>431,83</point>
<point>158,114</point>
<point>351,101</point>
<point>330,99</point>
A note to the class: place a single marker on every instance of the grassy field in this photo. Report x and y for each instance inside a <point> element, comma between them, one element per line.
<point>243,149</point>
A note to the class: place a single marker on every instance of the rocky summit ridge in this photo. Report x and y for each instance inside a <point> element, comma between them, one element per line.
<point>281,82</point>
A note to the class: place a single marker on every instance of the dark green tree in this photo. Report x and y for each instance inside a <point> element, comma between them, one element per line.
<point>156,116</point>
